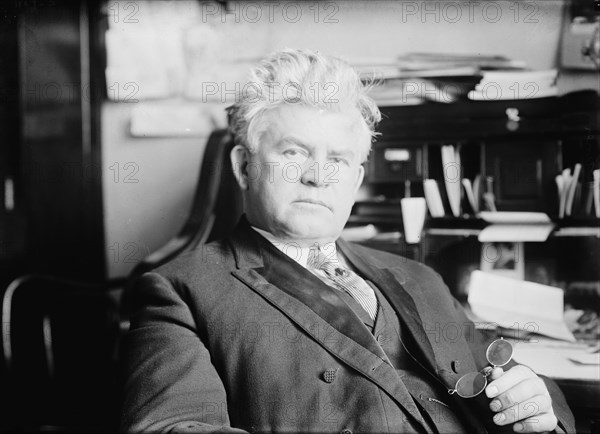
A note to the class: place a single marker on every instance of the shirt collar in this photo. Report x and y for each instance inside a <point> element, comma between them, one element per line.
<point>298,253</point>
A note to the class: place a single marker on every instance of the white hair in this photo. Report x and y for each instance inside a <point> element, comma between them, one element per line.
<point>299,76</point>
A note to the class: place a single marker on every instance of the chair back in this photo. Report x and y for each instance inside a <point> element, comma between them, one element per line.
<point>217,205</point>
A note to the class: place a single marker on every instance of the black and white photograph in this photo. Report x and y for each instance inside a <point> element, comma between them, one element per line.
<point>300,216</point>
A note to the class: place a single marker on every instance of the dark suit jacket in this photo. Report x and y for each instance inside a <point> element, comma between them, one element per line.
<point>236,334</point>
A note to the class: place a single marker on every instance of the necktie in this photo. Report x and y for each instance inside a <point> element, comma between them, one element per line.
<point>346,280</point>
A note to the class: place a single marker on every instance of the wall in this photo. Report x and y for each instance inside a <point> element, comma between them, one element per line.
<point>387,29</point>
<point>148,184</point>
<point>151,211</point>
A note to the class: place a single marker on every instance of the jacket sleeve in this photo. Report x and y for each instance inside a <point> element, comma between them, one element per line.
<point>170,384</point>
<point>566,421</point>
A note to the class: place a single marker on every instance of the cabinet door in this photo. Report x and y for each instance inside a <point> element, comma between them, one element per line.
<point>523,174</point>
<point>395,161</point>
<point>12,221</point>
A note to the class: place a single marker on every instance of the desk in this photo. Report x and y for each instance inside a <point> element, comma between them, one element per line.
<point>579,383</point>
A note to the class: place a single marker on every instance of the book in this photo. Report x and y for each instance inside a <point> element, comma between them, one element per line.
<point>596,187</point>
<point>470,195</point>
<point>433,198</point>
<point>451,169</point>
<point>571,189</point>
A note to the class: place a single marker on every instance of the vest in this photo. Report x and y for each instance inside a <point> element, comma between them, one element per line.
<point>430,397</point>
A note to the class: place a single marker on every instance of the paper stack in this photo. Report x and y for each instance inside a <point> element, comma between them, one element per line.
<point>510,85</point>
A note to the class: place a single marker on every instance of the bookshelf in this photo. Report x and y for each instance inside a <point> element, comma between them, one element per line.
<point>522,157</point>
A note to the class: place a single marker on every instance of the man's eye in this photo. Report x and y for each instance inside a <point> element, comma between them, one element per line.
<point>294,153</point>
<point>339,160</point>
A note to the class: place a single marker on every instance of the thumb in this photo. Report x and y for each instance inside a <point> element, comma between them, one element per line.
<point>496,373</point>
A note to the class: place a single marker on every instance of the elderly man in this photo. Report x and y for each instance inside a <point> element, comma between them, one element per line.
<point>284,327</point>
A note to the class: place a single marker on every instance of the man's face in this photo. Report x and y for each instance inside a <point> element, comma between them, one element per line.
<point>302,180</point>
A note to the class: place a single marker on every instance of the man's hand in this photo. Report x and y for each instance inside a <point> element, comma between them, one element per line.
<point>521,398</point>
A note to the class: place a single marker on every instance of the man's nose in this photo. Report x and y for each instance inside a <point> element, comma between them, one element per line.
<point>314,174</point>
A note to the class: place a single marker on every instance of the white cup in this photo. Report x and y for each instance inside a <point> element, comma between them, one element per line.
<point>413,217</point>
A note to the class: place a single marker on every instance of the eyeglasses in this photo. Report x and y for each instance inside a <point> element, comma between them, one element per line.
<point>498,353</point>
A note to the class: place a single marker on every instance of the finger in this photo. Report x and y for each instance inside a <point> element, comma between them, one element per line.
<point>539,423</point>
<point>496,373</point>
<point>528,409</point>
<point>521,392</point>
<point>508,379</point>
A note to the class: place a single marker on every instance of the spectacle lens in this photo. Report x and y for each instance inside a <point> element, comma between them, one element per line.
<point>498,353</point>
<point>470,385</point>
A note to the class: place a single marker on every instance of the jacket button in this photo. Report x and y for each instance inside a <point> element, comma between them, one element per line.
<point>382,339</point>
<point>329,375</point>
<point>456,366</point>
<point>346,431</point>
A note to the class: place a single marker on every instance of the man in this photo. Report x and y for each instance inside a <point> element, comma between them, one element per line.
<point>285,327</point>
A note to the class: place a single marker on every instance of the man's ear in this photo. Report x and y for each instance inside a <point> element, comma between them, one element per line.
<point>240,157</point>
<point>359,178</point>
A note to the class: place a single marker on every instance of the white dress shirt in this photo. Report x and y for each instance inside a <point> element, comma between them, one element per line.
<point>301,254</point>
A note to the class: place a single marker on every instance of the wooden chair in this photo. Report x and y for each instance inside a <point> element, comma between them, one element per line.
<point>59,359</point>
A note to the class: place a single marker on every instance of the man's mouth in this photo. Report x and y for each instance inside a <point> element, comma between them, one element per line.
<point>314,202</point>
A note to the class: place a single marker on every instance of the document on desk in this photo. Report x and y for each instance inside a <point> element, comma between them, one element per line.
<point>559,360</point>
<point>515,227</point>
<point>586,359</point>
<point>516,304</point>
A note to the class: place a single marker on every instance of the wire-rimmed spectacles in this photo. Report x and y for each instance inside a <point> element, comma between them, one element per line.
<point>498,354</point>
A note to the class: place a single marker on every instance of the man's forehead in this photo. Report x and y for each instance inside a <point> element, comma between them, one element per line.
<point>286,118</point>
<point>290,109</point>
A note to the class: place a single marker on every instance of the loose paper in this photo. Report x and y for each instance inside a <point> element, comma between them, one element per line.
<point>586,359</point>
<point>556,359</point>
<point>515,227</point>
<point>515,217</point>
<point>516,304</point>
